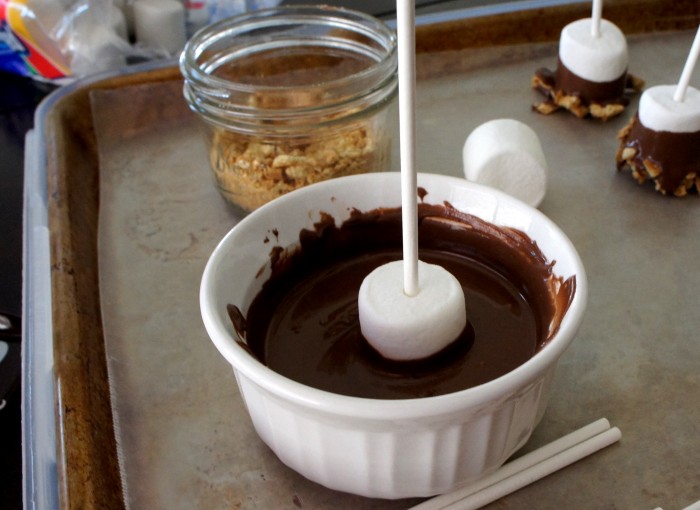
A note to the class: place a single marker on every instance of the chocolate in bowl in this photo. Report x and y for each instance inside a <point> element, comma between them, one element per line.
<point>304,323</point>
<point>396,447</point>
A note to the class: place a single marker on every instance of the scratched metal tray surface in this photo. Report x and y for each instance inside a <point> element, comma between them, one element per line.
<point>148,414</point>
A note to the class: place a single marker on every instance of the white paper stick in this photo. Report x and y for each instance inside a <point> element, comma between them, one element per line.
<point>596,16</point>
<point>679,95</point>
<point>519,465</point>
<point>539,471</point>
<point>694,506</point>
<point>405,15</point>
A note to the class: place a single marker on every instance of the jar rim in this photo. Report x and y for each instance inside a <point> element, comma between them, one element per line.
<point>213,91</point>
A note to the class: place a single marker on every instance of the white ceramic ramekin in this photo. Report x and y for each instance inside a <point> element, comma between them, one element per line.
<point>384,448</point>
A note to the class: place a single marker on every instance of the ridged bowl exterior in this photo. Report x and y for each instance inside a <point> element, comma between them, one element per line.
<point>384,448</point>
<point>384,459</point>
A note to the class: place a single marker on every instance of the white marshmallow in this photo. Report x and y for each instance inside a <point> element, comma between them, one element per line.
<point>507,155</point>
<point>160,24</point>
<point>598,59</point>
<point>660,112</point>
<point>401,327</point>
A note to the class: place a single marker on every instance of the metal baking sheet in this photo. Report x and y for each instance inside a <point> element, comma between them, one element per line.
<point>180,421</point>
<point>182,436</point>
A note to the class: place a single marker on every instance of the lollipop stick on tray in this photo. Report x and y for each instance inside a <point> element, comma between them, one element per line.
<point>529,468</point>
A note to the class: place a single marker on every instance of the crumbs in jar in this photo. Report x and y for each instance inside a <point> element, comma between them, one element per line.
<point>251,171</point>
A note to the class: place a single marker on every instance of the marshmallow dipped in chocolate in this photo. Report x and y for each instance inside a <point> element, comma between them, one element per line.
<point>409,309</point>
<point>591,78</point>
<point>661,143</point>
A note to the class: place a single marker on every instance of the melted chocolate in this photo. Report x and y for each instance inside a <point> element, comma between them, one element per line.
<point>676,154</point>
<point>304,322</point>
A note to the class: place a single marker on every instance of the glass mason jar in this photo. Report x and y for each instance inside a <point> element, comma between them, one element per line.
<point>291,96</point>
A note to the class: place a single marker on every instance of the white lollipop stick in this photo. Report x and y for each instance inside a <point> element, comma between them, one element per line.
<point>596,16</point>
<point>690,62</point>
<point>405,13</point>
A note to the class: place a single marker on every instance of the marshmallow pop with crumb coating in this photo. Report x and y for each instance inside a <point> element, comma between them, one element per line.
<point>662,142</point>
<point>591,77</point>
